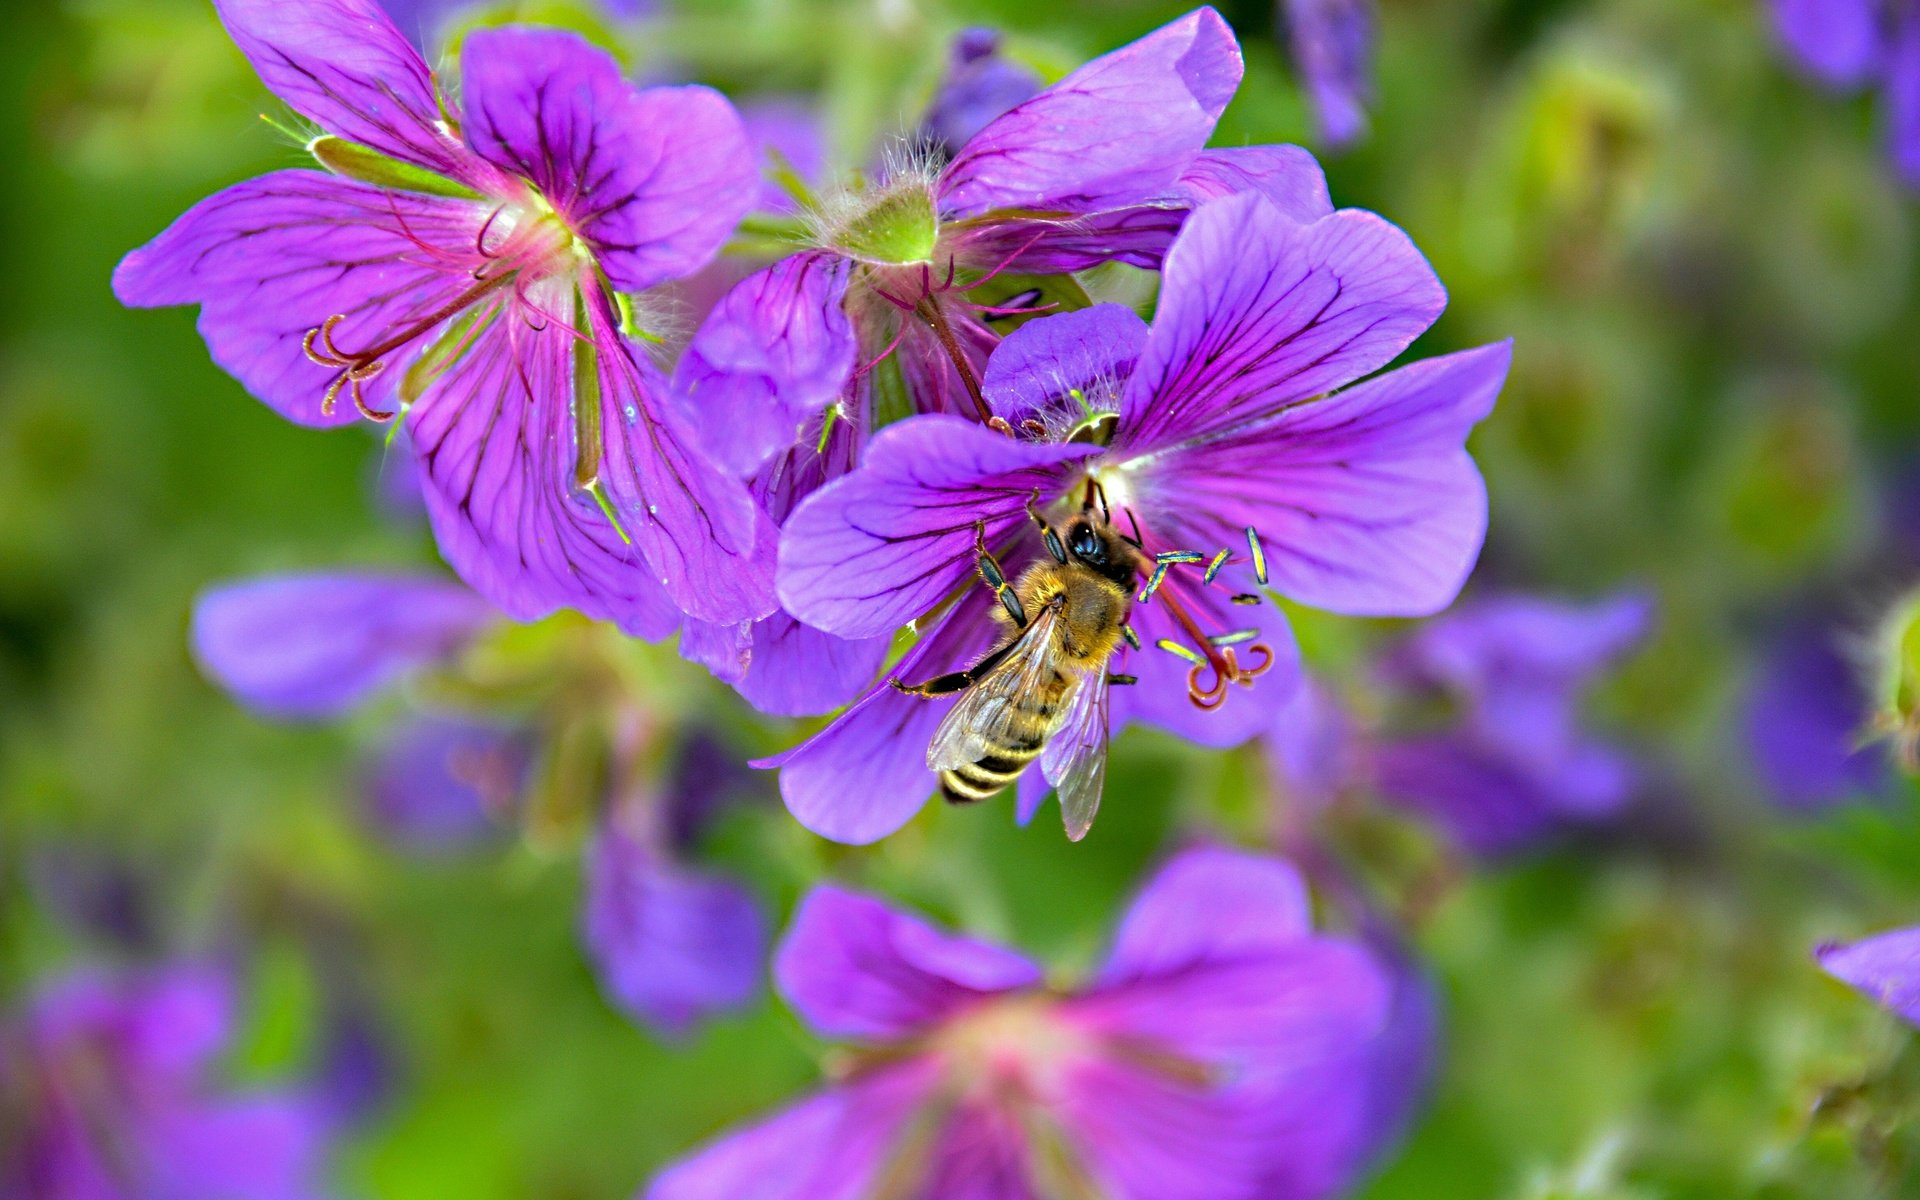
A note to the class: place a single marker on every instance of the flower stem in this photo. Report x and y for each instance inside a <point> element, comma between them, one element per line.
<point>929,309</point>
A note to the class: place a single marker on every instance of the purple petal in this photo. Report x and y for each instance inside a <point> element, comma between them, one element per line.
<point>1116,132</point>
<point>1258,312</point>
<point>1035,371</point>
<point>875,549</point>
<point>1885,967</point>
<point>272,259</point>
<point>725,650</point>
<point>316,645</point>
<point>1840,41</point>
<point>771,356</point>
<point>671,946</point>
<point>1366,502</point>
<point>653,180</point>
<point>1289,177</point>
<point>343,65</point>
<point>830,1146</point>
<point>1804,723</point>
<point>1903,95</point>
<point>440,783</point>
<point>267,1147</point>
<point>794,670</point>
<point>1332,42</point>
<point>854,968</point>
<point>1209,905</point>
<point>496,438</point>
<point>980,84</point>
<point>1287,1030</point>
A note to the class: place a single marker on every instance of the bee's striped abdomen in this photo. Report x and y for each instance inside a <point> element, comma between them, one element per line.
<point>1027,734</point>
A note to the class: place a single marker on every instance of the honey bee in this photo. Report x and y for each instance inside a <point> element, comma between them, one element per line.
<point>1041,692</point>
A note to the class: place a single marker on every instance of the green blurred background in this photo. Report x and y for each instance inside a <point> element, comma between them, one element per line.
<point>1708,269</point>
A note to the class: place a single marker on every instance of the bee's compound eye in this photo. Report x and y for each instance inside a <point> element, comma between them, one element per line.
<point>1084,544</point>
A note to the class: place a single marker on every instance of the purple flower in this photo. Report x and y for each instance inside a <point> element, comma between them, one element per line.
<point>672,945</point>
<point>1885,967</point>
<point>1224,1050</point>
<point>1806,722</point>
<point>1332,44</point>
<point>113,1083</point>
<point>445,783</point>
<point>1102,166</point>
<point>1518,762</point>
<point>1849,44</point>
<point>461,264</point>
<point>309,646</point>
<point>1220,427</point>
<point>979,86</point>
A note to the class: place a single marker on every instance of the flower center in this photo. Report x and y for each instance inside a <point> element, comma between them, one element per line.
<point>1014,1048</point>
<point>519,244</point>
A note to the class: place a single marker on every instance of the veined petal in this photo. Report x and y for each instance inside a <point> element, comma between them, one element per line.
<point>771,356</point>
<point>1885,967</point>
<point>855,968</point>
<point>1116,132</point>
<point>672,946</point>
<point>498,441</point>
<point>1839,41</point>
<point>865,775</point>
<point>272,259</point>
<point>794,670</point>
<point>1289,177</point>
<point>872,550</point>
<point>830,1146</point>
<point>1060,370</point>
<point>316,645</point>
<point>1137,235</point>
<point>343,65</point>
<point>654,180</point>
<point>1210,904</point>
<point>1258,312</point>
<point>1366,502</point>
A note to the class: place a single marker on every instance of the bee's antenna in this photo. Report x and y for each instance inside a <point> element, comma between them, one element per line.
<point>1138,542</point>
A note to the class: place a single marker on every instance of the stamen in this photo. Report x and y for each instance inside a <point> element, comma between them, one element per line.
<point>1133,639</point>
<point>1178,650</point>
<point>1213,568</point>
<point>1259,556</point>
<point>1123,680</point>
<point>1246,598</point>
<point>1179,556</point>
<point>1154,581</point>
<point>1234,638</point>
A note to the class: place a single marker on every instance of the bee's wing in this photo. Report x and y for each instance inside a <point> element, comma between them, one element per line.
<point>1075,760</point>
<point>983,720</point>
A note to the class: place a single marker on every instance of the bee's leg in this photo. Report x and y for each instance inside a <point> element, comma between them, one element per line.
<point>1047,535</point>
<point>995,578</point>
<point>955,681</point>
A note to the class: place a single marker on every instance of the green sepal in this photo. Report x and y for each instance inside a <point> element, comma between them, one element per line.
<point>354,161</point>
<point>587,443</point>
<point>445,351</point>
<point>898,226</point>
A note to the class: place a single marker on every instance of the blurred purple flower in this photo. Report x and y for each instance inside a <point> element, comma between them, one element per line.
<point>470,281</point>
<point>671,945</point>
<point>114,1086</point>
<point>310,646</point>
<point>1806,717</point>
<point>980,85</point>
<point>1518,763</point>
<point>423,21</point>
<point>1224,418</point>
<point>1332,45</point>
<point>1224,1050</point>
<point>1885,967</point>
<point>1850,44</point>
<point>445,783</point>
